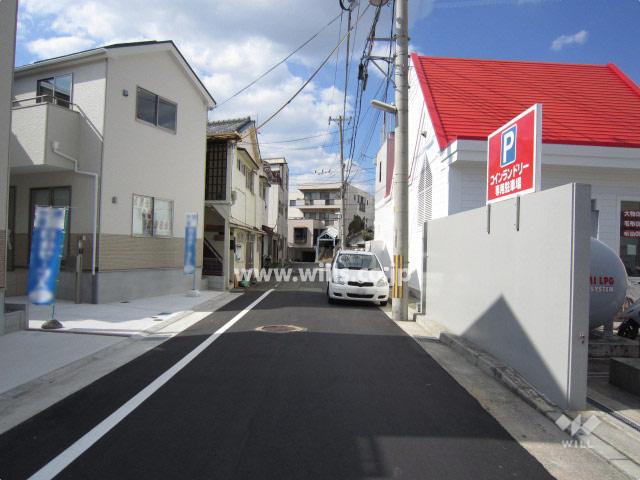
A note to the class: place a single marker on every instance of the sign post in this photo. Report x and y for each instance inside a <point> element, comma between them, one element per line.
<point>190,236</point>
<point>47,242</point>
<point>514,157</point>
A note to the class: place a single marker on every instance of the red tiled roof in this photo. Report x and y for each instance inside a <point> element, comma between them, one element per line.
<point>582,104</point>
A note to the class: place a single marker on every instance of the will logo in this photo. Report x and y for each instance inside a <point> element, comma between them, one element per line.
<point>508,146</point>
<point>577,429</point>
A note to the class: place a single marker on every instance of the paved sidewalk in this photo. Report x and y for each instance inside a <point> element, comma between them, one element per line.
<point>89,329</point>
<point>118,318</point>
<point>27,355</point>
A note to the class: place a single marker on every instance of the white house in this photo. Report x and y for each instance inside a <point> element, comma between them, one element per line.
<point>278,208</point>
<point>236,200</point>
<point>8,12</point>
<point>590,134</point>
<point>118,135</point>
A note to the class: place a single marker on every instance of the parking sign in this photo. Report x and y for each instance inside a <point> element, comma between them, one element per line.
<point>513,156</point>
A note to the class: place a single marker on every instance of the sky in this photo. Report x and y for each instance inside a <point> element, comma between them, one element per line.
<point>231,42</point>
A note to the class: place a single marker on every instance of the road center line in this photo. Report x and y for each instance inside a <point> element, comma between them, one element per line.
<point>65,458</point>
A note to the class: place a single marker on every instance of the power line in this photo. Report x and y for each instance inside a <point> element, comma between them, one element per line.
<point>290,140</point>
<point>324,62</point>
<point>268,71</point>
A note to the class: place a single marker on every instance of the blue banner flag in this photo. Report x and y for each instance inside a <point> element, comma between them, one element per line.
<point>47,240</point>
<point>190,235</point>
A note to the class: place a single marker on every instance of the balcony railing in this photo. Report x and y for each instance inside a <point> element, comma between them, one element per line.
<point>313,203</point>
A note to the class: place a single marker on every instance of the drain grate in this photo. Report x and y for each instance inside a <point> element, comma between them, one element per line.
<point>280,329</point>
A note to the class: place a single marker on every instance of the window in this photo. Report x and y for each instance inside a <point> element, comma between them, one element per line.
<point>142,215</point>
<point>250,180</point>
<point>152,216</point>
<point>56,90</point>
<point>167,114</point>
<point>156,110</point>
<point>162,218</point>
<point>630,236</point>
<point>292,203</point>
<point>300,235</point>
<point>379,171</point>
<point>216,171</point>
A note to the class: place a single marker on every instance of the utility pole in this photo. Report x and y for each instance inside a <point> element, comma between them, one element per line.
<point>343,188</point>
<point>401,166</point>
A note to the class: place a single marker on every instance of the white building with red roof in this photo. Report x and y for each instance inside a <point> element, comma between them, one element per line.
<point>590,134</point>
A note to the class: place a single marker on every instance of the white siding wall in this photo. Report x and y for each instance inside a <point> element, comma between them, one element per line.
<point>424,157</point>
<point>609,187</point>
<point>143,159</point>
<point>89,84</point>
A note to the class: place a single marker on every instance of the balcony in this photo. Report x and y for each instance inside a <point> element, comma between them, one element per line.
<point>315,204</point>
<point>37,125</point>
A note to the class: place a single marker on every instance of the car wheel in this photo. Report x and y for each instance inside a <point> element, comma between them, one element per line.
<point>383,304</point>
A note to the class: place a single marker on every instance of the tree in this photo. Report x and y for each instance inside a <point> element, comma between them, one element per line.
<point>356,225</point>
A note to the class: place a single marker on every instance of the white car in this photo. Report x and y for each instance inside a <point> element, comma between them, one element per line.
<point>357,275</point>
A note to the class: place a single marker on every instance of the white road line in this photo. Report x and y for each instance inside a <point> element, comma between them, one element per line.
<point>59,463</point>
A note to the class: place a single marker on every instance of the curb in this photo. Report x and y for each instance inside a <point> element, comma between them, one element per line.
<point>511,379</point>
<point>9,398</point>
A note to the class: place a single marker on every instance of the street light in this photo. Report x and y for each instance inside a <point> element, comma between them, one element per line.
<point>385,107</point>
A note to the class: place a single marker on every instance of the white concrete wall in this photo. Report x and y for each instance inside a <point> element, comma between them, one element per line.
<point>143,159</point>
<point>521,295</point>
<point>295,212</point>
<point>352,208</point>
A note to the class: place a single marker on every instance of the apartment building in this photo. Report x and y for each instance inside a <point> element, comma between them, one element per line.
<point>118,135</point>
<point>314,218</point>
<point>278,208</point>
<point>236,200</point>
<point>8,15</point>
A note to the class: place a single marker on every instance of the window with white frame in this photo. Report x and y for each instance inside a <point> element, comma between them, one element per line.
<point>154,109</point>
<point>152,217</point>
<point>162,217</point>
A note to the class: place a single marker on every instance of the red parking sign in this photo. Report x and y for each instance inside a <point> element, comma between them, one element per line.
<point>513,156</point>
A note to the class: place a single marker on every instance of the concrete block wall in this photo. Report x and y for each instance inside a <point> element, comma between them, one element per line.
<point>520,294</point>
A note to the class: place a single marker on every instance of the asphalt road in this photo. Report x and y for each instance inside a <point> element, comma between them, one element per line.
<point>351,397</point>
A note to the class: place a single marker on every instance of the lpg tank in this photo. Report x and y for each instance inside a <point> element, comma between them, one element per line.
<point>608,282</point>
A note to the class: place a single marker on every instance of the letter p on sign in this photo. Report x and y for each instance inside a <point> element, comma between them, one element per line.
<point>508,150</point>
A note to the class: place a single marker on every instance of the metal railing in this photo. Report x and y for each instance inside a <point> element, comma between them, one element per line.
<point>311,203</point>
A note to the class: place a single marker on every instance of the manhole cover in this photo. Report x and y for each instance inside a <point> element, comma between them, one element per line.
<point>280,329</point>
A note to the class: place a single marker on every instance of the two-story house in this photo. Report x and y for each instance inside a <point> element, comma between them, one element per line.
<point>236,200</point>
<point>118,135</point>
<point>314,220</point>
<point>278,208</point>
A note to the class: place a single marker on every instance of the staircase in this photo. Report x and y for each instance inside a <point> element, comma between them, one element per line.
<point>212,260</point>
